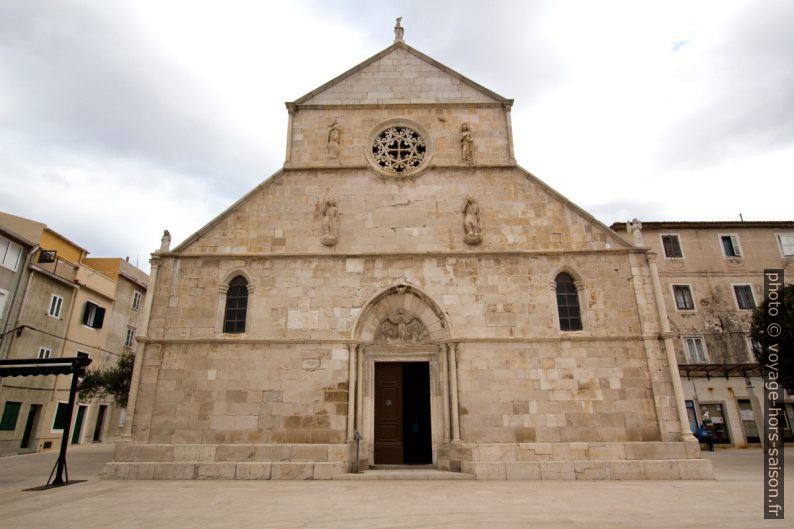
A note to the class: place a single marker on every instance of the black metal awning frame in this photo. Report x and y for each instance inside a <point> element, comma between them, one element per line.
<point>726,370</point>
<point>24,367</point>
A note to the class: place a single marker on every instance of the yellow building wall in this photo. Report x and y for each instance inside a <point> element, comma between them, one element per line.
<point>107,266</point>
<point>66,249</point>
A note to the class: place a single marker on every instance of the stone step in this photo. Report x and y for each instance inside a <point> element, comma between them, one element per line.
<point>226,470</point>
<point>404,474</point>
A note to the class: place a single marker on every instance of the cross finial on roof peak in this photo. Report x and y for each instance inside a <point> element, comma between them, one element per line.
<point>399,31</point>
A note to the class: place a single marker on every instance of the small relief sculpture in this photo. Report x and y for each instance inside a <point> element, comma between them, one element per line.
<point>471,221</point>
<point>401,327</point>
<point>334,135</point>
<point>165,242</point>
<point>399,31</point>
<point>330,224</point>
<point>466,144</point>
<point>634,227</point>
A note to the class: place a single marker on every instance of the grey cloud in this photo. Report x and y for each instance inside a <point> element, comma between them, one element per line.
<point>624,210</point>
<point>83,80</point>
<point>749,82</point>
<point>501,46</point>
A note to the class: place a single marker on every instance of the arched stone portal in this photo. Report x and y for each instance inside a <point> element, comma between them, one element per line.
<point>401,303</point>
<point>405,377</point>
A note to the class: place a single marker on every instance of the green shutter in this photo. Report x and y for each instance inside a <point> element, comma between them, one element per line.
<point>10,416</point>
<point>60,417</point>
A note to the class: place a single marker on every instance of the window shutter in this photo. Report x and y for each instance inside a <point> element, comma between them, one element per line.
<point>10,415</point>
<point>736,247</point>
<point>60,416</point>
<point>86,312</point>
<point>99,318</point>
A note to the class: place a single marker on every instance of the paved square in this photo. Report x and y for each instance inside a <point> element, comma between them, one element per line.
<point>732,501</point>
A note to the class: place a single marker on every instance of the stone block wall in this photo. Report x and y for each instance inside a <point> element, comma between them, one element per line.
<point>321,297</point>
<point>284,215</point>
<point>556,392</point>
<point>399,77</point>
<point>242,393</point>
<point>309,139</point>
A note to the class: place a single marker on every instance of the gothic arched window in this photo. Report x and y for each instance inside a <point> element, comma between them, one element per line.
<point>568,303</point>
<point>236,306</point>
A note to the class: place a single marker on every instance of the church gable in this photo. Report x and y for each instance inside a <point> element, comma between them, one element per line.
<point>287,214</point>
<point>399,74</point>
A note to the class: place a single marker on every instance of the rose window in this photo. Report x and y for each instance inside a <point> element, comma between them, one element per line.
<point>399,150</point>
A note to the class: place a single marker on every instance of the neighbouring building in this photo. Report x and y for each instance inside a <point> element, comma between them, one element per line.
<point>712,279</point>
<point>60,302</point>
<point>403,281</point>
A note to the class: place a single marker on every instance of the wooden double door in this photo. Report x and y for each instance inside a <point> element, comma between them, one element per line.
<point>402,413</point>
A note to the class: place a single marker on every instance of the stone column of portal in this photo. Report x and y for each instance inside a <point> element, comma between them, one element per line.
<point>351,390</point>
<point>454,411</point>
<point>445,387</point>
<point>667,335</point>
<point>126,433</point>
<point>359,390</point>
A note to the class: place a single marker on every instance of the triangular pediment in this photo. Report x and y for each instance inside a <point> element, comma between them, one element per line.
<point>400,74</point>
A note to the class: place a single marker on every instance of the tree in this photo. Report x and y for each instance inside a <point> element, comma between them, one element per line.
<point>786,339</point>
<point>114,381</point>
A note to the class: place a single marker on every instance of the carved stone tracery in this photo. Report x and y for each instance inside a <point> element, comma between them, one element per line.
<point>399,150</point>
<point>403,328</point>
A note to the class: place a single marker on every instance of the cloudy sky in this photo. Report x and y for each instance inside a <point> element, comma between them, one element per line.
<point>119,119</point>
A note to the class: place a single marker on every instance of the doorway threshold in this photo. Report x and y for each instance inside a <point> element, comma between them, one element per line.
<point>403,472</point>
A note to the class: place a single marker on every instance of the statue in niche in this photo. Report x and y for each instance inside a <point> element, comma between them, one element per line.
<point>334,139</point>
<point>330,223</point>
<point>401,327</point>
<point>634,227</point>
<point>471,221</point>
<point>165,242</point>
<point>466,144</point>
<point>399,31</point>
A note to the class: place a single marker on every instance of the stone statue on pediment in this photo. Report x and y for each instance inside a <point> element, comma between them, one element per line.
<point>471,221</point>
<point>634,227</point>
<point>466,144</point>
<point>165,242</point>
<point>330,223</point>
<point>334,141</point>
<point>399,31</point>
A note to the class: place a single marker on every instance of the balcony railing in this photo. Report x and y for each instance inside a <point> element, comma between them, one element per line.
<point>49,261</point>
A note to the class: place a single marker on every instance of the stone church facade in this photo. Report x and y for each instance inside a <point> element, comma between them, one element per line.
<point>403,281</point>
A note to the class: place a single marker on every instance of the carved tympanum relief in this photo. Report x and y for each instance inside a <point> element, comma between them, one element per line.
<point>403,328</point>
<point>471,221</point>
<point>330,223</point>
